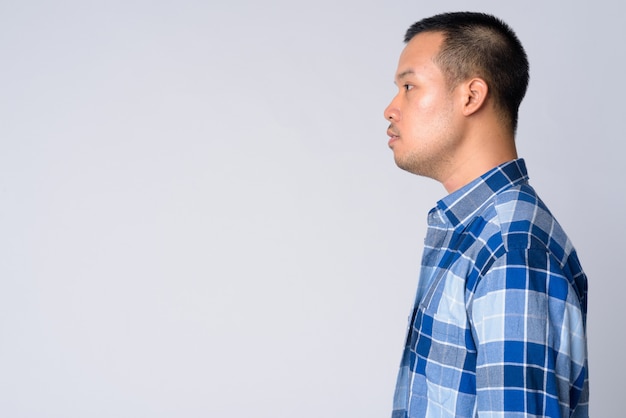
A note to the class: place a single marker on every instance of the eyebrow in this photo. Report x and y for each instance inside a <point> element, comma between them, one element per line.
<point>405,73</point>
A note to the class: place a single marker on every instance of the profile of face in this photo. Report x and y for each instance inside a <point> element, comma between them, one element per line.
<point>424,115</point>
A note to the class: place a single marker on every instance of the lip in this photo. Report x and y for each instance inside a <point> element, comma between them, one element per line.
<point>393,137</point>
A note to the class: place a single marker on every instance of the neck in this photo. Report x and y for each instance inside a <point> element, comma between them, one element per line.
<point>479,154</point>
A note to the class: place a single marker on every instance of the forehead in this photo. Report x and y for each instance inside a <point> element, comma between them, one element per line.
<point>419,54</point>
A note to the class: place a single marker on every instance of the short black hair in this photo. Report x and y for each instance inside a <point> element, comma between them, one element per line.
<point>480,45</point>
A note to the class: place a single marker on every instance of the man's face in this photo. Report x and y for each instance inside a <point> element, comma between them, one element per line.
<point>424,129</point>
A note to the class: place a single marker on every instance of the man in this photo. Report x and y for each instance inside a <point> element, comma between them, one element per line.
<point>499,323</point>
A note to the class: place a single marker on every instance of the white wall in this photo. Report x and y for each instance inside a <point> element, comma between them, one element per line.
<point>199,215</point>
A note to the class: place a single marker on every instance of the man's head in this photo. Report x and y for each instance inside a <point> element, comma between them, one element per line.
<point>480,45</point>
<point>460,78</point>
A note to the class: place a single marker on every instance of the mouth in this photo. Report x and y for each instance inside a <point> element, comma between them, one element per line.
<point>393,135</point>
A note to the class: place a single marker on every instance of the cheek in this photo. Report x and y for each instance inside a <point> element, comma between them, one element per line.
<point>424,113</point>
<point>429,120</point>
<point>429,104</point>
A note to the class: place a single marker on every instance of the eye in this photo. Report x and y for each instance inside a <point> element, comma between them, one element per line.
<point>407,87</point>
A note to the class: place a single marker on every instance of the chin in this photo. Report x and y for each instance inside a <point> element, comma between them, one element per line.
<point>414,167</point>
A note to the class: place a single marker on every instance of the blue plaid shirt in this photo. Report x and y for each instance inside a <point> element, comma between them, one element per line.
<point>498,327</point>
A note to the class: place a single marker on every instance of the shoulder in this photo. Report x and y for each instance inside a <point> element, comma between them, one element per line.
<point>526,224</point>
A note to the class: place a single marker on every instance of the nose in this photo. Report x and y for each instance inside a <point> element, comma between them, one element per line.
<point>392,113</point>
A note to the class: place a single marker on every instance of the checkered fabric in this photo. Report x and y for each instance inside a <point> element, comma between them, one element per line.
<point>498,326</point>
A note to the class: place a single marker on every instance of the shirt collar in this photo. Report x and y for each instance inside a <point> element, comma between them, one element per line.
<point>460,206</point>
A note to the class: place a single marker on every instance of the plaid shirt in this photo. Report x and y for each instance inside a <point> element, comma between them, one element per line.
<point>498,327</point>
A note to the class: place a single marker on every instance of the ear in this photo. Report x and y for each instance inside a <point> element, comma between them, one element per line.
<point>475,95</point>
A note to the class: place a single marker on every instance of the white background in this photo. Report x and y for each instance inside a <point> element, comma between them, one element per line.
<point>199,215</point>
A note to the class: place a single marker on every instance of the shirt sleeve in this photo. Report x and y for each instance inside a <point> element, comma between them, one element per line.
<point>528,328</point>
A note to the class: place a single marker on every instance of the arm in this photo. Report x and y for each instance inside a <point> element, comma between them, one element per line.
<point>528,328</point>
